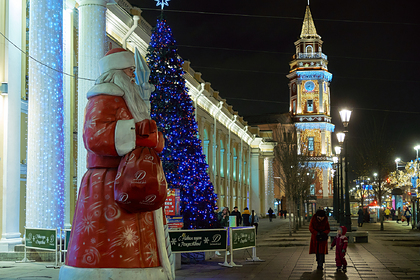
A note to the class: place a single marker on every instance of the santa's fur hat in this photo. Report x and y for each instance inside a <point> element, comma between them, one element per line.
<point>116,59</point>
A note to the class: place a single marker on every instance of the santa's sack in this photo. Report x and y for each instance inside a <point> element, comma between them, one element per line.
<point>140,184</point>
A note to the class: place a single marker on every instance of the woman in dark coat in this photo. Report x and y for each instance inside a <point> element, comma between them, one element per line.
<point>319,227</point>
<point>361,217</point>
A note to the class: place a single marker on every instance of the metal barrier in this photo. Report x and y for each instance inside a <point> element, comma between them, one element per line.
<point>241,238</point>
<point>40,239</point>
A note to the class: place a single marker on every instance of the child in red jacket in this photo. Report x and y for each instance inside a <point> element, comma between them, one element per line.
<point>340,242</point>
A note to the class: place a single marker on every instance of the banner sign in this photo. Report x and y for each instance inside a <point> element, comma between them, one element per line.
<point>175,222</point>
<point>172,203</point>
<point>243,237</point>
<point>67,233</point>
<point>198,240</point>
<point>41,238</point>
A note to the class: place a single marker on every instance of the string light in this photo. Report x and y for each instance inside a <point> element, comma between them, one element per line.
<point>45,178</point>
<point>171,107</point>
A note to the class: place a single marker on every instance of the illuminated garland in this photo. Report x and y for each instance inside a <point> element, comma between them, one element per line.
<point>321,126</point>
<point>314,75</point>
<point>45,179</point>
<point>171,107</point>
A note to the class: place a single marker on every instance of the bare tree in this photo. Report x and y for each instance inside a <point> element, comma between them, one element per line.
<point>293,170</point>
<point>374,155</point>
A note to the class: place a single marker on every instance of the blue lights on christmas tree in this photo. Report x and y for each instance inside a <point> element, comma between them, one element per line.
<point>171,107</point>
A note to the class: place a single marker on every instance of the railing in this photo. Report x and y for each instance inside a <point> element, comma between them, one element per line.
<point>312,55</point>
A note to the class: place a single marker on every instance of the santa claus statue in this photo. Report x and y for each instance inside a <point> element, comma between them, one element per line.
<point>108,242</point>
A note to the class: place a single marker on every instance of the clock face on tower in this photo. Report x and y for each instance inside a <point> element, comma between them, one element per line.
<point>309,86</point>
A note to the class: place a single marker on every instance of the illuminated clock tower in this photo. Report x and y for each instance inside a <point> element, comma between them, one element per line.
<point>310,106</point>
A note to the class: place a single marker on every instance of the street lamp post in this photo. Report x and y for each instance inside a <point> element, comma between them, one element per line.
<point>340,136</point>
<point>416,204</point>
<point>345,119</point>
<point>397,160</point>
<point>335,184</point>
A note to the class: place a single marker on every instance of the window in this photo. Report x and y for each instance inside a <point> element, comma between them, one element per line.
<point>310,143</point>
<point>312,189</point>
<point>310,106</point>
<point>309,49</point>
<point>294,106</point>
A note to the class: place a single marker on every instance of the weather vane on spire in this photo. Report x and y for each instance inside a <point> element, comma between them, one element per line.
<point>163,3</point>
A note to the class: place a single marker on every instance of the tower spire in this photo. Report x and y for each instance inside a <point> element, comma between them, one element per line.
<point>308,27</point>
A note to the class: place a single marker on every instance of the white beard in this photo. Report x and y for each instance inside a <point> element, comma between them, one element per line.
<point>135,103</point>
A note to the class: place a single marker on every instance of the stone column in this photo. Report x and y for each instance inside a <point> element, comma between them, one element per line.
<point>45,179</point>
<point>323,144</point>
<point>255,180</point>
<point>321,96</point>
<point>92,35</point>
<point>269,183</point>
<point>68,93</point>
<point>11,138</point>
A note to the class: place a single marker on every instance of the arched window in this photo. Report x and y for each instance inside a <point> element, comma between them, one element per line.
<point>222,159</point>
<point>206,142</point>
<point>309,49</point>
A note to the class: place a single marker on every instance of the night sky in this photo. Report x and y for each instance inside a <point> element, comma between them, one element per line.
<point>243,48</point>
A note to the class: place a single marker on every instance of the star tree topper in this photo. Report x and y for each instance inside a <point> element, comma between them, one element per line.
<point>162,3</point>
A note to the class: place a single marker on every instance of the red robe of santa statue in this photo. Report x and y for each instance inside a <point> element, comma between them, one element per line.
<point>104,236</point>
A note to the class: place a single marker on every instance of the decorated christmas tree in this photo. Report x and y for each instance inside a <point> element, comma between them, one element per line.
<point>171,107</point>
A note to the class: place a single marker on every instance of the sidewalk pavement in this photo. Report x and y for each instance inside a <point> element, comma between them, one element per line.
<point>390,254</point>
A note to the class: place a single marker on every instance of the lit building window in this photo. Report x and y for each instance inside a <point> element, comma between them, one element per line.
<point>310,143</point>
<point>310,106</point>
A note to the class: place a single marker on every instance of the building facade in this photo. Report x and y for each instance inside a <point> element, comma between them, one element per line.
<point>41,168</point>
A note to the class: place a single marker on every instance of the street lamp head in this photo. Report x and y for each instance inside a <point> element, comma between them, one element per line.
<point>337,150</point>
<point>397,160</point>
<point>345,117</point>
<point>340,137</point>
<point>375,174</point>
<point>417,147</point>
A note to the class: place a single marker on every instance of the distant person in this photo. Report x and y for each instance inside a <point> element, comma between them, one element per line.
<point>238,216</point>
<point>367,216</point>
<point>223,217</point>
<point>361,217</point>
<point>407,215</point>
<point>270,214</point>
<point>254,220</point>
<point>245,217</point>
<point>319,228</point>
<point>285,214</point>
<point>387,212</point>
<point>392,214</point>
<point>399,215</point>
<point>340,242</point>
<point>281,213</point>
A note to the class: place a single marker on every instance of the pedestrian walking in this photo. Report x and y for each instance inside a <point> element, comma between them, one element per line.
<point>399,215</point>
<point>319,228</point>
<point>285,213</point>
<point>254,220</point>
<point>270,214</point>
<point>392,214</point>
<point>387,212</point>
<point>340,242</point>
<point>245,217</point>
<point>407,215</point>
<point>361,217</point>
<point>238,216</point>
<point>223,217</point>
